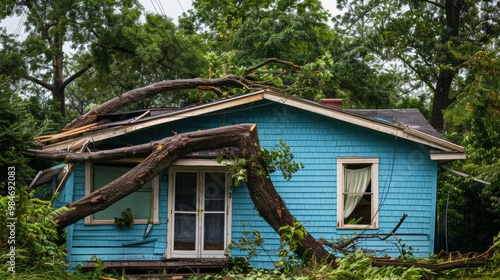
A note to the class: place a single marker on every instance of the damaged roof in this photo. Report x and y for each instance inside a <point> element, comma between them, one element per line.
<point>405,123</point>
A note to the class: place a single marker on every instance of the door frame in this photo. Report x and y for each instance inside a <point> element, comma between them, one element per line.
<point>199,166</point>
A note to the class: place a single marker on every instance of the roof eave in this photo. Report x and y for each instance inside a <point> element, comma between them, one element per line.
<point>335,113</point>
<point>445,157</point>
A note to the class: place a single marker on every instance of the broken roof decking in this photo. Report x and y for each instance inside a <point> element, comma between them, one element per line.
<point>408,124</point>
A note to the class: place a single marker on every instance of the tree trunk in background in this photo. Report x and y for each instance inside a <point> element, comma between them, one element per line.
<point>442,99</point>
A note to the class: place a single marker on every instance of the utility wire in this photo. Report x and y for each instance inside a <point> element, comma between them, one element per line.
<point>160,6</point>
<point>19,27</point>
<point>181,6</point>
<point>154,6</point>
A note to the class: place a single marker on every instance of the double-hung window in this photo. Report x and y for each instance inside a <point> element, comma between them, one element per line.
<point>357,193</point>
<point>143,203</point>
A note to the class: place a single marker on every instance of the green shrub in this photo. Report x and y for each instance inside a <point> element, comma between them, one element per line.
<point>31,243</point>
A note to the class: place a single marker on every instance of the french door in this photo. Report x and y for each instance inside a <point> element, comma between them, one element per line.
<point>198,213</point>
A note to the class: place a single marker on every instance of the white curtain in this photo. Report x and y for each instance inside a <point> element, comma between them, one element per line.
<point>355,181</point>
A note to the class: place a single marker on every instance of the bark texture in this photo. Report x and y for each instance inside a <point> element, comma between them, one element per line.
<point>267,200</point>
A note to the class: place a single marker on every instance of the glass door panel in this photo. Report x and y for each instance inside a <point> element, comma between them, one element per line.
<point>215,191</point>
<point>214,232</point>
<point>185,214</point>
<point>185,191</point>
<point>214,194</point>
<point>185,232</point>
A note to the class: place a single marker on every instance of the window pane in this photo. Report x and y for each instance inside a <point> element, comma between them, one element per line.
<point>357,194</point>
<point>185,191</point>
<point>362,212</point>
<point>215,191</point>
<point>139,202</point>
<point>104,174</point>
<point>185,232</point>
<point>214,232</point>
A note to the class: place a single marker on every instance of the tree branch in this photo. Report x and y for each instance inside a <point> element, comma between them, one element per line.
<point>434,3</point>
<point>267,61</point>
<point>165,152</point>
<point>41,83</point>
<point>77,74</point>
<point>138,94</point>
<point>119,153</point>
<point>343,247</point>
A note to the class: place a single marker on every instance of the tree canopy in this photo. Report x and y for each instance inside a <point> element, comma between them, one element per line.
<point>425,36</point>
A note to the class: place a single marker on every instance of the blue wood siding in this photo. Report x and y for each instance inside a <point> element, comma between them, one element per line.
<point>107,241</point>
<point>407,184</point>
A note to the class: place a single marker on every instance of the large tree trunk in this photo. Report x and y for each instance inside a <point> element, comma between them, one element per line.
<point>262,192</point>
<point>270,204</point>
<point>442,99</point>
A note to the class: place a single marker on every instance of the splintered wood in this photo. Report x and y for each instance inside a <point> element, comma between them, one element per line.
<point>64,135</point>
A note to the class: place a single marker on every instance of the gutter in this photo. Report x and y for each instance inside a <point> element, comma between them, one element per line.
<point>466,175</point>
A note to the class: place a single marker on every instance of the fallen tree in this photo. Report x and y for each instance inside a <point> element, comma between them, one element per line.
<point>246,80</point>
<point>267,200</point>
<point>161,154</point>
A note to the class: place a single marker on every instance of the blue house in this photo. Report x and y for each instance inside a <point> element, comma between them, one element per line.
<point>363,170</point>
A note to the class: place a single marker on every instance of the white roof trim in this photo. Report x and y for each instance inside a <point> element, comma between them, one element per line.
<point>338,114</point>
<point>447,156</point>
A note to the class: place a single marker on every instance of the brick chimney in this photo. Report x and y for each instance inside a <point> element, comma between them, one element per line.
<point>332,102</point>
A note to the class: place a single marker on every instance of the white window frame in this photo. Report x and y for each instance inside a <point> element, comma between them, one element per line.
<point>341,162</point>
<point>155,182</point>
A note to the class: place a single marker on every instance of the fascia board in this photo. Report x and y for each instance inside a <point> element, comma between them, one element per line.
<point>447,156</point>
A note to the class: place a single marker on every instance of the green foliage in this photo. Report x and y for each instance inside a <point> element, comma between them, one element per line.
<point>492,267</point>
<point>99,271</point>
<point>37,241</point>
<point>17,127</point>
<point>354,220</point>
<point>281,158</point>
<point>278,158</point>
<point>418,40</point>
<point>290,238</point>
<point>406,253</point>
<point>356,265</point>
<point>260,29</point>
<point>250,242</point>
<point>126,219</point>
<point>474,121</point>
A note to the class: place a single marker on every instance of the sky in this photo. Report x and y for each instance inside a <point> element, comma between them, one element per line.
<point>171,8</point>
